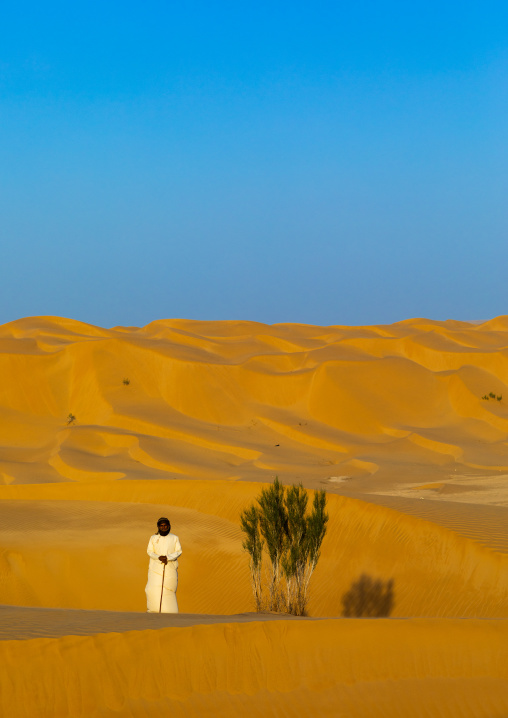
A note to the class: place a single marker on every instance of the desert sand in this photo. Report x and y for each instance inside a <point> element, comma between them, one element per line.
<point>105,430</point>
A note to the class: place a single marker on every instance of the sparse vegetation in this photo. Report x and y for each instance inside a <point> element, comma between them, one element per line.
<point>253,544</point>
<point>491,395</point>
<point>126,381</point>
<point>280,527</point>
<point>71,419</point>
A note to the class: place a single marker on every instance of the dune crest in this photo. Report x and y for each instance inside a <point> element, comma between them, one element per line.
<point>105,430</point>
<point>241,400</point>
<point>434,570</point>
<point>369,668</point>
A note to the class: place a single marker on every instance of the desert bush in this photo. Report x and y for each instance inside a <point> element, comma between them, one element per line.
<point>278,525</point>
<point>71,419</point>
<point>126,381</point>
<point>491,395</point>
<point>253,544</point>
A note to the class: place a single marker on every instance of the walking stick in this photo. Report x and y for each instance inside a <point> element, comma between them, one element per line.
<point>162,588</point>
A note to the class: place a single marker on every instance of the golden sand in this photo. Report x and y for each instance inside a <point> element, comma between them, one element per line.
<point>353,668</point>
<point>104,430</point>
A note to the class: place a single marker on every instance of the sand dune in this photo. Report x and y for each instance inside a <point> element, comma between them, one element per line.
<point>485,524</point>
<point>436,572</point>
<point>104,430</point>
<point>240,400</point>
<point>328,668</point>
<point>23,623</point>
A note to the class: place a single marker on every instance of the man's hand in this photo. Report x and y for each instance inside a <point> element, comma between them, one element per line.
<point>163,559</point>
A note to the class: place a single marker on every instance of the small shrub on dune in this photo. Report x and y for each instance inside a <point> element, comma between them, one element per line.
<point>280,527</point>
<point>491,395</point>
<point>71,419</point>
<point>253,544</point>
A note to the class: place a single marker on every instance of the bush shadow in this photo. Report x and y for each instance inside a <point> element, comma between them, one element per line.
<point>368,598</point>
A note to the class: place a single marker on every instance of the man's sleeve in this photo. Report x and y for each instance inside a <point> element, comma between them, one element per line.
<point>150,552</point>
<point>177,552</point>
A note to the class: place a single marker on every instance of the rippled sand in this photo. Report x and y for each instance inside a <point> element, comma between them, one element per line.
<point>188,419</point>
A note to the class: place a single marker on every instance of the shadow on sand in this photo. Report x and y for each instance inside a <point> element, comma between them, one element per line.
<point>368,598</point>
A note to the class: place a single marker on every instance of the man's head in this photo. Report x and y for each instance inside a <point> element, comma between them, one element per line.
<point>163,526</point>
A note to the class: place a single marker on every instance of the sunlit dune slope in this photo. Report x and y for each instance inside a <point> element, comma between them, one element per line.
<point>374,669</point>
<point>241,400</point>
<point>485,524</point>
<point>105,430</point>
<point>83,546</point>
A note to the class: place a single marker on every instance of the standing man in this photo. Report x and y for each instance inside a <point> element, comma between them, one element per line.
<point>163,548</point>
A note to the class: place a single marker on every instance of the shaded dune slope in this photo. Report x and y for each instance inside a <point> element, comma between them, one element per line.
<point>20,623</point>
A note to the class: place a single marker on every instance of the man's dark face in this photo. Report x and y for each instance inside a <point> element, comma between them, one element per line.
<point>163,528</point>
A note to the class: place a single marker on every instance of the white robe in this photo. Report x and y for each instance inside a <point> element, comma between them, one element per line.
<point>168,546</point>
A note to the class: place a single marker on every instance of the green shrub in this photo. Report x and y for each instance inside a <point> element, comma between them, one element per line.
<point>280,526</point>
<point>253,544</point>
<point>491,395</point>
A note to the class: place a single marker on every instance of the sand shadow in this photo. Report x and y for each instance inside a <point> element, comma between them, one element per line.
<point>368,598</point>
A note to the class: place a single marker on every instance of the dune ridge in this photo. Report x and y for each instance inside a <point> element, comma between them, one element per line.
<point>241,400</point>
<point>105,430</point>
<point>109,524</point>
<point>328,668</point>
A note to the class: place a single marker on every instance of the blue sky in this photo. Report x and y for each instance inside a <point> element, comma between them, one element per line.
<point>324,162</point>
